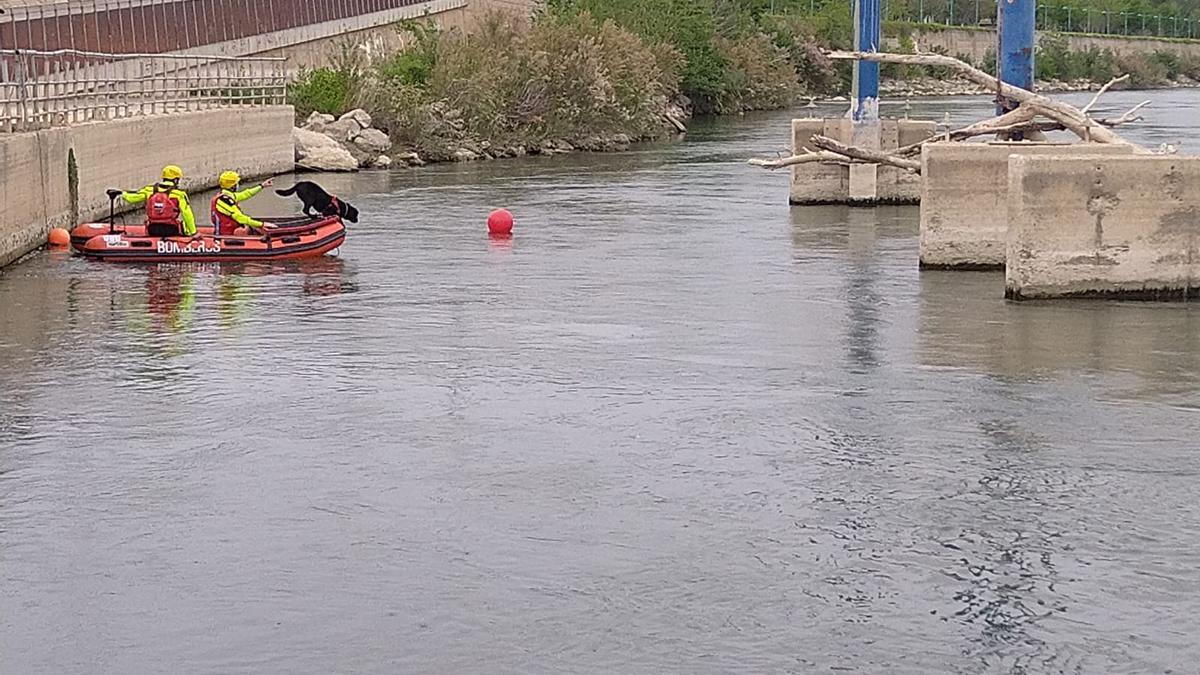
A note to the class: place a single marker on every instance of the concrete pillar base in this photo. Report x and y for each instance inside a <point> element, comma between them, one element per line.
<point>1111,227</point>
<point>861,184</point>
<point>964,199</point>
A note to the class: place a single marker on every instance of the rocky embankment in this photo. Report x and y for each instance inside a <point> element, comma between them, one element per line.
<point>346,143</point>
<point>350,143</point>
<point>956,86</point>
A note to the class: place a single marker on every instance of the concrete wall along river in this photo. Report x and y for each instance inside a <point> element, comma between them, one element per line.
<point>38,191</point>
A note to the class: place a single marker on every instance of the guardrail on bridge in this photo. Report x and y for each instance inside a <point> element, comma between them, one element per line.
<point>158,26</point>
<point>40,89</point>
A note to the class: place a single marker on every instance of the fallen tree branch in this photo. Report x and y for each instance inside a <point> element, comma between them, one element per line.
<point>1127,118</point>
<point>806,157</point>
<point>1006,123</point>
<point>861,154</point>
<point>1073,119</point>
<point>1087,108</point>
<point>1022,120</point>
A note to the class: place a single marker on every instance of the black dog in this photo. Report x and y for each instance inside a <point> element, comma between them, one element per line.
<point>316,198</point>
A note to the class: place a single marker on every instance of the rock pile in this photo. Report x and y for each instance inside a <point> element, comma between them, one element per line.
<point>349,143</point>
<point>346,143</point>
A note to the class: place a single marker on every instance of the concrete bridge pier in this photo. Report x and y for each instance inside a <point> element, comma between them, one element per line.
<point>965,193</point>
<point>859,184</point>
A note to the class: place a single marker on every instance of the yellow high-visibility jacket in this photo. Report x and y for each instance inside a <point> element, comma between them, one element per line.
<point>226,204</point>
<point>185,209</point>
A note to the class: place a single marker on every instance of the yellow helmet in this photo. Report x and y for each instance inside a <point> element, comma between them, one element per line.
<point>229,179</point>
<point>172,172</point>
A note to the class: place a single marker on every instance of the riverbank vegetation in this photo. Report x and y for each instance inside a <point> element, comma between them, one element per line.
<point>596,74</point>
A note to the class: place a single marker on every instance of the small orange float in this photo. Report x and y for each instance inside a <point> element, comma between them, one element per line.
<point>59,237</point>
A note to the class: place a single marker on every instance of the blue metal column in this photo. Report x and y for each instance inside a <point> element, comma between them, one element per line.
<point>1016,21</point>
<point>864,95</point>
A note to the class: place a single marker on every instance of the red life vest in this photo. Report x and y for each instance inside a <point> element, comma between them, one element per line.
<point>162,208</point>
<point>224,224</point>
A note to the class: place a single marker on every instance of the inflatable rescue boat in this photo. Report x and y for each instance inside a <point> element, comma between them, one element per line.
<point>293,239</point>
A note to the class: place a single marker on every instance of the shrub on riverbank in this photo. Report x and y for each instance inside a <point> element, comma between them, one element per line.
<point>688,26</point>
<point>334,90</point>
<point>575,79</point>
<point>759,75</point>
<point>1056,61</point>
<point>736,55</point>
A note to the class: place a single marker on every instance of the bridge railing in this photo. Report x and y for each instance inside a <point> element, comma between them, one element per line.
<point>158,26</point>
<point>40,89</point>
<point>1051,16</point>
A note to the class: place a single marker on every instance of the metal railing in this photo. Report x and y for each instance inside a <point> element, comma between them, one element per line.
<point>157,26</point>
<point>67,86</point>
<point>1050,17</point>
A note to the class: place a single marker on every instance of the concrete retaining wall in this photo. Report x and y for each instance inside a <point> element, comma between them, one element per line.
<point>964,199</point>
<point>977,43</point>
<point>830,183</point>
<point>1100,227</point>
<point>374,34</point>
<point>34,190</point>
<point>35,186</point>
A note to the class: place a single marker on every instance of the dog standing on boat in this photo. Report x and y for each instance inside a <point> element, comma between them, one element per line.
<point>316,199</point>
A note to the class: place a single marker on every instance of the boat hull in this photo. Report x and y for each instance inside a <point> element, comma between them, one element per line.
<point>295,239</point>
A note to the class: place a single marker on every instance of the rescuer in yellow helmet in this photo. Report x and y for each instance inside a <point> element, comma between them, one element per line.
<point>227,215</point>
<point>167,209</point>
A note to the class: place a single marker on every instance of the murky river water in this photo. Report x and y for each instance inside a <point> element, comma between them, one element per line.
<point>674,426</point>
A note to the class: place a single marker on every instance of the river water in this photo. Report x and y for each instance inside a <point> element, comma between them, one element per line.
<point>673,426</point>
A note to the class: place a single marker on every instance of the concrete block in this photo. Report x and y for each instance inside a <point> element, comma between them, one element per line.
<point>1124,226</point>
<point>864,183</point>
<point>832,184</point>
<point>964,199</point>
<point>817,183</point>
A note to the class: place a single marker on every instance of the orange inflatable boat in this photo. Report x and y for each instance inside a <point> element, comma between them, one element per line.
<point>295,238</point>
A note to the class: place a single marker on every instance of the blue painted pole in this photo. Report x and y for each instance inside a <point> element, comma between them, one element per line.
<point>1016,23</point>
<point>864,96</point>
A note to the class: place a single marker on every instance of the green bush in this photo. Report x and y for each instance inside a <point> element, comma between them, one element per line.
<point>413,65</point>
<point>333,90</point>
<point>689,26</point>
<point>568,77</point>
<point>759,76</point>
<point>321,90</point>
<point>799,35</point>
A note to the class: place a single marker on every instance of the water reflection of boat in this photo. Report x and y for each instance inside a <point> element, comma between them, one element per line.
<point>171,298</point>
<point>174,290</point>
<point>321,276</point>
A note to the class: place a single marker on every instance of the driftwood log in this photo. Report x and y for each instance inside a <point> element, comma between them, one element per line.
<point>1035,114</point>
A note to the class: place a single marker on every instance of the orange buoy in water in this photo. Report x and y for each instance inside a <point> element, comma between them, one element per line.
<point>500,222</point>
<point>59,237</point>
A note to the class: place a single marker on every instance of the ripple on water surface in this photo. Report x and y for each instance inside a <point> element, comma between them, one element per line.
<point>673,425</point>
